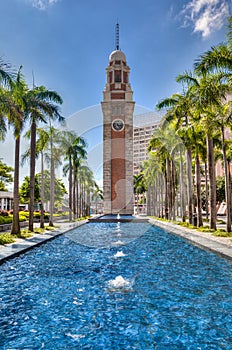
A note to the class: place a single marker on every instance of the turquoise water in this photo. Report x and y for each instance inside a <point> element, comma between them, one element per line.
<point>154,292</point>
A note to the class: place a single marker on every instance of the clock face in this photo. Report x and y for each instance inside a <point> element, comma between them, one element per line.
<point>118,124</point>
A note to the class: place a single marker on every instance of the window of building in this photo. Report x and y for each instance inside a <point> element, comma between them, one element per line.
<point>117,76</point>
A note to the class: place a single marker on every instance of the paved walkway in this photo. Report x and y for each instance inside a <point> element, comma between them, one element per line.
<point>219,245</point>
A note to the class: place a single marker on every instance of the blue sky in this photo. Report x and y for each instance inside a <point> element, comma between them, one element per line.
<point>66,43</point>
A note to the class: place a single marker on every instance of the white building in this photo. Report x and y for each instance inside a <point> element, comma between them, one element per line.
<point>144,126</point>
<point>6,200</point>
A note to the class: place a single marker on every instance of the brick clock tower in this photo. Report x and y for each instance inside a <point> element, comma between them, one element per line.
<point>118,108</point>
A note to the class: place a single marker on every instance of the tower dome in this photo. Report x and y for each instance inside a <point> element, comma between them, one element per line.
<point>117,55</point>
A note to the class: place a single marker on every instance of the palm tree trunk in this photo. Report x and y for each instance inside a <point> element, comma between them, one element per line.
<point>74,193</point>
<point>212,183</point>
<point>70,188</point>
<point>52,187</point>
<point>182,189</point>
<point>227,184</point>
<point>78,201</point>
<point>52,178</point>
<point>166,197</point>
<point>198,186</point>
<point>148,200</point>
<point>230,190</point>
<point>161,179</point>
<point>173,193</point>
<point>42,193</point>
<point>32,176</point>
<point>15,228</point>
<point>169,193</point>
<point>206,191</point>
<point>189,185</point>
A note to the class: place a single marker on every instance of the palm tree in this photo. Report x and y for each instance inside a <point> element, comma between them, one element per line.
<point>164,142</point>
<point>74,148</point>
<point>41,146</point>
<point>50,149</point>
<point>179,111</point>
<point>54,157</point>
<point>219,59</point>
<point>41,107</point>
<point>12,110</point>
<point>154,183</point>
<point>16,118</point>
<point>6,74</point>
<point>86,186</point>
<point>140,187</point>
<point>97,196</point>
<point>6,104</point>
<point>207,92</point>
<point>224,118</point>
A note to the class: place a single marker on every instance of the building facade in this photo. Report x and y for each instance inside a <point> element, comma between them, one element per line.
<point>6,200</point>
<point>144,126</point>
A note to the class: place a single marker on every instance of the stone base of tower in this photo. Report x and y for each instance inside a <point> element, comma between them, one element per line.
<point>129,210</point>
<point>117,205</point>
<point>118,192</point>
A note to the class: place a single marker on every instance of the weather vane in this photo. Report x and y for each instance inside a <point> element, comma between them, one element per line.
<point>117,36</point>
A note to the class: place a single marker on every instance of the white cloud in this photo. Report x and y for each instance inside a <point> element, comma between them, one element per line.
<point>206,16</point>
<point>42,4</point>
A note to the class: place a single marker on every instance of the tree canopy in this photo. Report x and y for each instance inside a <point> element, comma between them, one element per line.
<point>5,175</point>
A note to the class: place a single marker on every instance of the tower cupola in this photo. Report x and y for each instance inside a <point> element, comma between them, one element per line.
<point>117,75</point>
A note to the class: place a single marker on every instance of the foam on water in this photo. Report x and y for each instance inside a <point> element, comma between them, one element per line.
<point>119,254</point>
<point>119,282</point>
<point>119,242</point>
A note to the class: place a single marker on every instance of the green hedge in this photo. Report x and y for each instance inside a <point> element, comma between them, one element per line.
<point>6,238</point>
<point>23,216</point>
<point>5,220</point>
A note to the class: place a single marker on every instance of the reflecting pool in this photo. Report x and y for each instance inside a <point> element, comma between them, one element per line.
<point>150,291</point>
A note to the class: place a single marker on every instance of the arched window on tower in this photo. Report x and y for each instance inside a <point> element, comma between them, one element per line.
<point>117,76</point>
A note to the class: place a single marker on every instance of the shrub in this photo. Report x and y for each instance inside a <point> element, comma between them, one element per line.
<point>39,230</point>
<point>50,228</point>
<point>22,217</point>
<point>222,233</point>
<point>184,224</point>
<point>5,220</point>
<point>205,229</point>
<point>6,238</point>
<point>25,234</point>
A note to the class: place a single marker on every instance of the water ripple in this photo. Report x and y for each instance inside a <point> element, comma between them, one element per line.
<point>163,294</point>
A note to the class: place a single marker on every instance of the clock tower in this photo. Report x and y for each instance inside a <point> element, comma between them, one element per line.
<point>118,108</point>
